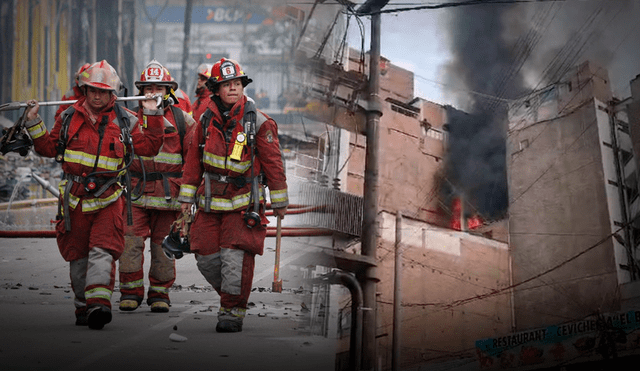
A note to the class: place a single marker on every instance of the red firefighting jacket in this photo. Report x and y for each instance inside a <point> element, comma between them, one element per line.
<point>202,102</point>
<point>82,148</point>
<point>184,103</point>
<point>73,94</point>
<point>160,175</point>
<point>215,159</point>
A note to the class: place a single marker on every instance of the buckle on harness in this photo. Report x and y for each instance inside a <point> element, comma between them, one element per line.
<point>239,181</point>
<point>90,184</point>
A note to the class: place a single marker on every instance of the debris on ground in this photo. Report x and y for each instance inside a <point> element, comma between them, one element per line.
<point>177,338</point>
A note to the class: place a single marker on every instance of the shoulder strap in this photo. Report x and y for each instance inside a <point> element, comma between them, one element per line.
<point>123,118</point>
<point>63,138</point>
<point>125,129</point>
<point>205,121</point>
<point>251,113</point>
<point>179,116</point>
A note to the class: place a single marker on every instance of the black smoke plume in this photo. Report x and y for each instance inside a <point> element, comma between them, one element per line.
<point>482,58</point>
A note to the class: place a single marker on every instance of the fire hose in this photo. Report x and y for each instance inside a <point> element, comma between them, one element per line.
<point>271,232</point>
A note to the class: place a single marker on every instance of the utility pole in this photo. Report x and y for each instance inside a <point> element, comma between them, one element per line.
<point>154,21</point>
<point>369,238</point>
<point>187,41</point>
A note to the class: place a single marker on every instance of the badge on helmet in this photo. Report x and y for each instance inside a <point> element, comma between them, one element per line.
<point>156,73</point>
<point>225,70</point>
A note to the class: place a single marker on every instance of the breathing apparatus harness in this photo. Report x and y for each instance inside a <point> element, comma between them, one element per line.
<point>251,124</point>
<point>182,129</point>
<point>92,183</point>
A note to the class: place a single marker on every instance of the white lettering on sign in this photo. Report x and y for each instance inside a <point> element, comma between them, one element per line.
<point>227,15</point>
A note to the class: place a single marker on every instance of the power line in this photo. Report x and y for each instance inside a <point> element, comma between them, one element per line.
<point>543,273</point>
<point>483,95</point>
<point>452,5</point>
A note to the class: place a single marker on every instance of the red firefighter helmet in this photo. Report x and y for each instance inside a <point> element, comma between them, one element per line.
<point>156,73</point>
<point>100,75</point>
<point>225,70</point>
<point>82,68</point>
<point>204,70</point>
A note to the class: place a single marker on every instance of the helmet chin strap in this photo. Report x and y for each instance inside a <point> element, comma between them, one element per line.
<point>169,98</point>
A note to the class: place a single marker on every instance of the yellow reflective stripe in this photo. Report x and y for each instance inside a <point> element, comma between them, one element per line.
<point>236,312</point>
<point>160,202</point>
<point>87,159</point>
<point>279,196</point>
<point>73,201</point>
<point>159,289</point>
<point>238,167</point>
<point>98,293</point>
<point>168,158</point>
<point>225,204</point>
<point>225,163</point>
<point>145,158</point>
<point>132,284</point>
<point>213,160</point>
<point>93,204</point>
<point>109,163</point>
<point>37,131</point>
<point>188,191</point>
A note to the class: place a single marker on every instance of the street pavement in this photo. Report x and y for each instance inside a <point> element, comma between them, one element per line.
<point>38,332</point>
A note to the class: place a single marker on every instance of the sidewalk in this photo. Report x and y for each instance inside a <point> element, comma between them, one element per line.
<point>38,332</point>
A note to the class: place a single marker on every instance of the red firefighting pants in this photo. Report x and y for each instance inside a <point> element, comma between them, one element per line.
<point>92,246</point>
<point>155,225</point>
<point>225,250</point>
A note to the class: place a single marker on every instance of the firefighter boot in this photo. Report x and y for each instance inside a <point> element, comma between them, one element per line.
<point>162,275</point>
<point>131,273</point>
<point>230,320</point>
<point>159,307</point>
<point>98,316</point>
<point>128,305</point>
<point>82,316</point>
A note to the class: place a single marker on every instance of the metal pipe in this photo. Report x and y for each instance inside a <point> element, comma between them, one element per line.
<point>300,210</point>
<point>356,337</point>
<point>271,232</point>
<point>17,105</point>
<point>397,297</point>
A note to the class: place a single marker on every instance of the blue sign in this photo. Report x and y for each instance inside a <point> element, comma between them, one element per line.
<point>204,14</point>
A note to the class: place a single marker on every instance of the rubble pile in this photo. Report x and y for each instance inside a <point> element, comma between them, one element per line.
<point>15,171</point>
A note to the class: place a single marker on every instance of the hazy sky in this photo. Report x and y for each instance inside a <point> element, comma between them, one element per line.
<point>476,58</point>
<point>415,41</point>
<point>424,41</point>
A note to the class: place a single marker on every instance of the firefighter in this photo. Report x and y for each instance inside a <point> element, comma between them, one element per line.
<point>74,93</point>
<point>203,95</point>
<point>218,178</point>
<point>92,140</point>
<point>183,102</point>
<point>155,184</point>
